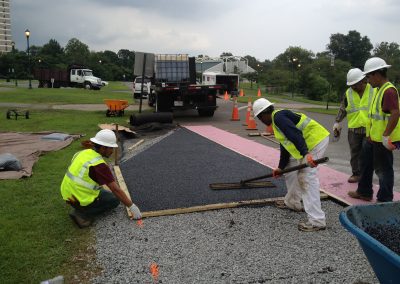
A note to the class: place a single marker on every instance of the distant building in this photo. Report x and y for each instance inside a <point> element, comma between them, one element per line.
<point>5,27</point>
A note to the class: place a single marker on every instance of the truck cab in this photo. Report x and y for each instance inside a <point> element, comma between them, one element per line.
<point>84,77</point>
<point>137,87</point>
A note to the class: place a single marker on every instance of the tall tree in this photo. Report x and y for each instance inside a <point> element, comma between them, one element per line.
<point>351,48</point>
<point>77,52</point>
<point>390,52</point>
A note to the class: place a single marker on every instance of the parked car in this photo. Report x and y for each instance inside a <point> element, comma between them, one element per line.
<point>137,85</point>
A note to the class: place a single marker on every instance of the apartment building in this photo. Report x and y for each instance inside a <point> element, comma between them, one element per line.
<point>5,27</point>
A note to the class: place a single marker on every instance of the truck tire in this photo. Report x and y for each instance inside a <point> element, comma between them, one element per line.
<point>87,85</point>
<point>206,112</point>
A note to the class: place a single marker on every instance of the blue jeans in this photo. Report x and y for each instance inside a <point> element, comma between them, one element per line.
<point>374,156</point>
<point>104,202</point>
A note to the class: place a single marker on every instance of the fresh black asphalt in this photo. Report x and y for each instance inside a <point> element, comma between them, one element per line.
<point>176,173</point>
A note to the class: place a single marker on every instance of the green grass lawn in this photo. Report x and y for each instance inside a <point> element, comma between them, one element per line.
<point>66,95</point>
<point>38,241</point>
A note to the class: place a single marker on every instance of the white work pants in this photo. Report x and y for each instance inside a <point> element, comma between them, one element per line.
<point>304,185</point>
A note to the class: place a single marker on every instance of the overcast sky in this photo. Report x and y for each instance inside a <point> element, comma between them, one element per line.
<point>261,28</point>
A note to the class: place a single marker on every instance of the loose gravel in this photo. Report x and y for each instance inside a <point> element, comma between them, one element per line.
<point>241,245</point>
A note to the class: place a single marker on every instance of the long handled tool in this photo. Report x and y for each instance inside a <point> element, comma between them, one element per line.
<point>249,183</point>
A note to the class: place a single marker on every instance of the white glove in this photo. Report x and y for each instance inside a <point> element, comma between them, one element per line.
<point>336,131</point>
<point>336,126</point>
<point>388,143</point>
<point>135,211</point>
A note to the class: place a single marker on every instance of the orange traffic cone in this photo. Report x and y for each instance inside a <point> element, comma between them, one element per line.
<point>241,94</point>
<point>269,130</point>
<point>248,113</point>
<point>259,93</point>
<point>235,110</point>
<point>226,97</point>
<point>252,123</point>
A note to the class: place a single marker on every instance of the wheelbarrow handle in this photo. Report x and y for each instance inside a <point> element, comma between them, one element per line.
<point>287,170</point>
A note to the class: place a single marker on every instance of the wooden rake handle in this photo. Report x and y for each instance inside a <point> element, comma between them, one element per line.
<point>287,170</point>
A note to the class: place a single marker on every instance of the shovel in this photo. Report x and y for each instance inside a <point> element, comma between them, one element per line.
<point>250,183</point>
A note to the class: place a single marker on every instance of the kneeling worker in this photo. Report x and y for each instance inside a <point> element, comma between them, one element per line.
<point>82,184</point>
<point>301,139</point>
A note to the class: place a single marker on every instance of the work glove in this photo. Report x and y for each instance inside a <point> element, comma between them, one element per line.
<point>310,161</point>
<point>336,131</point>
<point>135,211</point>
<point>276,173</point>
<point>388,143</point>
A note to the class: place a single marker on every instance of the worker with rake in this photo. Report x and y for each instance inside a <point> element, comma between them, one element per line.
<point>301,140</point>
<point>88,172</point>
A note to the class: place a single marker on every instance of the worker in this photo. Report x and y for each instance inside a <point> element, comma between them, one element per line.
<point>301,140</point>
<point>384,132</point>
<point>83,181</point>
<point>354,105</point>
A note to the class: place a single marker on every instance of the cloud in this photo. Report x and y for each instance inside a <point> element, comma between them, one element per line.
<point>261,28</point>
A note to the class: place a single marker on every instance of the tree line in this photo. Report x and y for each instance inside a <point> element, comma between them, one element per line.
<point>296,70</point>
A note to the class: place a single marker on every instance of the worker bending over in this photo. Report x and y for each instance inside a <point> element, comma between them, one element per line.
<point>383,130</point>
<point>355,105</point>
<point>88,172</point>
<point>301,139</point>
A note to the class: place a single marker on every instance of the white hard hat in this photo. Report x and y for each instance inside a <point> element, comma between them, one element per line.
<point>375,63</point>
<point>354,76</point>
<point>260,105</point>
<point>105,137</point>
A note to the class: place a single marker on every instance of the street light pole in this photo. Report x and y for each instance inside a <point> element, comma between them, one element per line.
<point>27,34</point>
<point>14,69</point>
<point>201,71</point>
<point>294,59</point>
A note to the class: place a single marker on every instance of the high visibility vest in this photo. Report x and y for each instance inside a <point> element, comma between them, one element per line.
<point>313,134</point>
<point>357,108</point>
<point>379,119</point>
<point>77,183</point>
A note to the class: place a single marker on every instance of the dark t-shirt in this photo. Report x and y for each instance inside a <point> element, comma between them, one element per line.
<point>390,100</point>
<point>101,174</point>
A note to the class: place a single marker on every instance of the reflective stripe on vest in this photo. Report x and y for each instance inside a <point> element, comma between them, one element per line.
<point>313,133</point>
<point>379,119</point>
<point>357,108</point>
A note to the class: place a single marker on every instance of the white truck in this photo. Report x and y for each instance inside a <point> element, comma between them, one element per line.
<point>75,76</point>
<point>137,87</point>
<point>229,82</point>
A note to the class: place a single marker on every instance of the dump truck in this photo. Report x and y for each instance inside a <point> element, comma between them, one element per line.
<point>229,82</point>
<point>76,76</point>
<point>174,86</point>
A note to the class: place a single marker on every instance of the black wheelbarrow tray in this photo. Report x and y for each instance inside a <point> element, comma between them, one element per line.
<point>368,223</point>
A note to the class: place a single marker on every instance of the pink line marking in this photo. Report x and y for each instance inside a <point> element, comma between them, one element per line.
<point>332,181</point>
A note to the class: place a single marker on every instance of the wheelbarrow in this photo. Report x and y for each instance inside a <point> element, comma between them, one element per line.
<point>377,228</point>
<point>115,107</point>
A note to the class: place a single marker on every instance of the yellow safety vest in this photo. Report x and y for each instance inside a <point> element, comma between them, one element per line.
<point>379,119</point>
<point>357,108</point>
<point>313,134</point>
<point>77,182</point>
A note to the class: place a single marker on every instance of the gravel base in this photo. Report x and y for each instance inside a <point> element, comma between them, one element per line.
<point>241,245</point>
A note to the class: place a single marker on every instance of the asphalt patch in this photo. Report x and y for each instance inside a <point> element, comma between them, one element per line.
<point>176,173</point>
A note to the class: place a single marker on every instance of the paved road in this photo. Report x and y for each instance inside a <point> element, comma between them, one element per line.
<point>338,152</point>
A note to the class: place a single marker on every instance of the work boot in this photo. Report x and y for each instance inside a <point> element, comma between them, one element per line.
<point>356,195</point>
<point>79,220</point>
<point>308,227</point>
<point>282,205</point>
<point>353,179</point>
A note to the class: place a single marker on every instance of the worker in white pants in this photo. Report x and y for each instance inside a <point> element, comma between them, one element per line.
<point>304,185</point>
<point>301,140</point>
